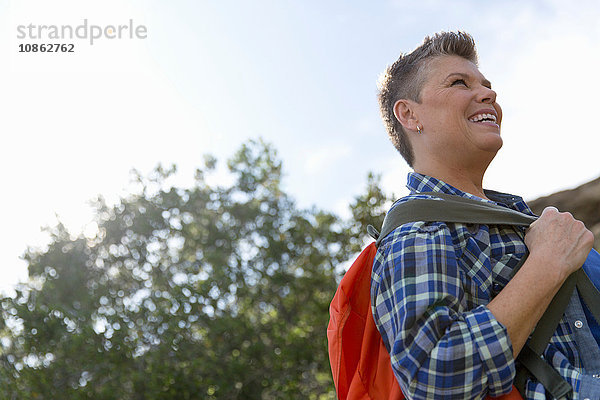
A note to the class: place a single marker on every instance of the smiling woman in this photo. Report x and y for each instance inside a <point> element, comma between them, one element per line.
<point>450,312</point>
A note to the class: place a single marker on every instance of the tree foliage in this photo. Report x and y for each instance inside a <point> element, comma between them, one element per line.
<point>206,292</point>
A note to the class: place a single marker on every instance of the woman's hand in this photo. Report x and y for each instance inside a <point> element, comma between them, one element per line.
<point>559,242</point>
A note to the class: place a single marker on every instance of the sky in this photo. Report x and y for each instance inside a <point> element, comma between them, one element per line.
<point>211,75</point>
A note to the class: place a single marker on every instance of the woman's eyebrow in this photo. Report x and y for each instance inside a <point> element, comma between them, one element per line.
<point>484,81</point>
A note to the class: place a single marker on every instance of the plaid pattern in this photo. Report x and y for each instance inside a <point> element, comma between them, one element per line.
<point>430,286</point>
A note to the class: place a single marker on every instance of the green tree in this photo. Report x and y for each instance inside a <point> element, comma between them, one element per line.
<point>207,292</point>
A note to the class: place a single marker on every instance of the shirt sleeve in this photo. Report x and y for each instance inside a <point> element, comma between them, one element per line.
<point>438,347</point>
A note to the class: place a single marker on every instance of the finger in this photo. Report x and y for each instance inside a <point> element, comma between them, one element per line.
<point>550,209</point>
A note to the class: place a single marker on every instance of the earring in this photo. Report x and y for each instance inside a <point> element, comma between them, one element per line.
<point>419,130</point>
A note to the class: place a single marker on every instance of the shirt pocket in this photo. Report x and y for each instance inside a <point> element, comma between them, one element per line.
<point>475,264</point>
<point>502,271</point>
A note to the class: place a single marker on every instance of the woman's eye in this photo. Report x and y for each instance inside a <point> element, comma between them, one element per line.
<point>459,82</point>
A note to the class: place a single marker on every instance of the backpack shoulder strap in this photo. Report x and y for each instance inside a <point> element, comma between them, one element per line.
<point>448,208</point>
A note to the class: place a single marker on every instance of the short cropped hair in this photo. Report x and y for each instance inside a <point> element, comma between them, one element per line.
<point>405,78</point>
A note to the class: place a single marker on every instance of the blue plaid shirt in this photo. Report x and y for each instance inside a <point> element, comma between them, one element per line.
<point>430,286</point>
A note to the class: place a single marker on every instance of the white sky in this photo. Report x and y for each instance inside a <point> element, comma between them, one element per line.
<point>302,75</point>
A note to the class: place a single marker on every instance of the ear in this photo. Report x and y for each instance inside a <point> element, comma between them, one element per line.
<point>404,110</point>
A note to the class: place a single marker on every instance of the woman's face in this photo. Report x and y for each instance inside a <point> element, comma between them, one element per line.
<point>458,110</point>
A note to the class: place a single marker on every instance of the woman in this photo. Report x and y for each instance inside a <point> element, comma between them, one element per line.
<point>441,295</point>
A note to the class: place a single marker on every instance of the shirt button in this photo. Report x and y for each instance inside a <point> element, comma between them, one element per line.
<point>496,288</point>
<point>578,324</point>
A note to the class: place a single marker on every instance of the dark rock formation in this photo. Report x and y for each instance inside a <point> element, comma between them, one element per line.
<point>583,202</point>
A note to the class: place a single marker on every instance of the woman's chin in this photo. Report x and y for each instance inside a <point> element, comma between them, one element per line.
<point>490,143</point>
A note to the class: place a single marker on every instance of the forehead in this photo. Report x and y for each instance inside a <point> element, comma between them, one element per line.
<point>438,69</point>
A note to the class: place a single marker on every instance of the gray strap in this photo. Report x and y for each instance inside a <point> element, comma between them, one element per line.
<point>530,354</point>
<point>589,293</point>
<point>451,209</point>
<point>543,372</point>
<point>547,324</point>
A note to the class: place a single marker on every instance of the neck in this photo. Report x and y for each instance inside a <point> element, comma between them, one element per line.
<point>465,178</point>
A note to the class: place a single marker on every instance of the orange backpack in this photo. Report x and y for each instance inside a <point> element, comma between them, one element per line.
<point>360,363</point>
<point>359,360</point>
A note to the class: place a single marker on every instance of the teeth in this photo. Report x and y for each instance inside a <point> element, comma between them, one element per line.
<point>481,117</point>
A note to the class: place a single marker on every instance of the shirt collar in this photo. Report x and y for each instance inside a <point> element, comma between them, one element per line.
<point>417,183</point>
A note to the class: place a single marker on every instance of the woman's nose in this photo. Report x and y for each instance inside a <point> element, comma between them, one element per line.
<point>487,95</point>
